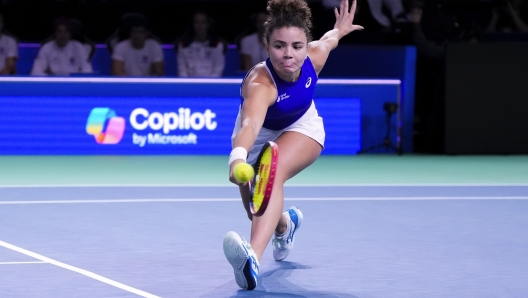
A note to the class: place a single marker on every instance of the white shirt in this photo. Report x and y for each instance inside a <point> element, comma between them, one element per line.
<point>54,60</point>
<point>138,62</point>
<point>250,45</point>
<point>201,60</point>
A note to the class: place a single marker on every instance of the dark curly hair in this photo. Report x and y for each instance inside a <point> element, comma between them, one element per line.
<point>288,13</point>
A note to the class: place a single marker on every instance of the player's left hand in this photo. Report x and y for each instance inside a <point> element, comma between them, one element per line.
<point>345,18</point>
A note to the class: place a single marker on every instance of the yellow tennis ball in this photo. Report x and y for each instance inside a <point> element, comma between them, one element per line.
<point>243,172</point>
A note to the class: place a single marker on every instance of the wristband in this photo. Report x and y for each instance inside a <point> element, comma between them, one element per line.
<point>237,153</point>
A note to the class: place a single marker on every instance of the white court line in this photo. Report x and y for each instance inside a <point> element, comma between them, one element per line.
<point>237,200</point>
<point>17,263</point>
<point>117,201</point>
<point>410,198</point>
<point>286,185</point>
<point>78,270</point>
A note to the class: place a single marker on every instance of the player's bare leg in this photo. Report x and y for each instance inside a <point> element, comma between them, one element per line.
<point>244,193</point>
<point>296,152</point>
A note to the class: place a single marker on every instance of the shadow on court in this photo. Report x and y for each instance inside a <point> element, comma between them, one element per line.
<point>276,280</point>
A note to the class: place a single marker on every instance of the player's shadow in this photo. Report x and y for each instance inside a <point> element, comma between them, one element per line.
<point>274,283</point>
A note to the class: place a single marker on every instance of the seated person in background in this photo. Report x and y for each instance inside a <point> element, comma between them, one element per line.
<point>8,51</point>
<point>380,15</point>
<point>77,33</point>
<point>62,56</point>
<point>139,55</point>
<point>506,18</point>
<point>123,30</point>
<point>252,50</point>
<point>200,50</point>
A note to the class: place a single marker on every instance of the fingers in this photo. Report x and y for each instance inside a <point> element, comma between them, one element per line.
<point>345,15</point>
<point>234,181</point>
<point>353,8</point>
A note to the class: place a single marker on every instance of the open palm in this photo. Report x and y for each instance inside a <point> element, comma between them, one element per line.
<point>345,18</point>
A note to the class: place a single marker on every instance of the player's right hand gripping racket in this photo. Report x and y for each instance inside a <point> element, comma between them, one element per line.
<point>262,184</point>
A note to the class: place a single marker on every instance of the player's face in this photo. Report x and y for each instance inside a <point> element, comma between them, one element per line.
<point>287,49</point>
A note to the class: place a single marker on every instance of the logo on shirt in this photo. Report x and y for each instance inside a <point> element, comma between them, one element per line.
<point>72,60</point>
<point>308,82</point>
<point>105,126</point>
<point>1,50</point>
<point>282,97</point>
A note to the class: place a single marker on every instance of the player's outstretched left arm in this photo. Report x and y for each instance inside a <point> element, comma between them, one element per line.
<point>320,49</point>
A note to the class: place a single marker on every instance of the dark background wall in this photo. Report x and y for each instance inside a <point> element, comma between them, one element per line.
<point>31,20</point>
<point>487,98</point>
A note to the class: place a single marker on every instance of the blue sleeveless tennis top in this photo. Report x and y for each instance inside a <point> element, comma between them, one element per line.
<point>294,98</point>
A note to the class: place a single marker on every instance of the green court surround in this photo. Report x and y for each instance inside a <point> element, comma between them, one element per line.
<point>212,170</point>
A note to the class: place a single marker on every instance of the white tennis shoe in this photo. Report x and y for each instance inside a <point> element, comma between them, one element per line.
<point>243,259</point>
<point>282,245</point>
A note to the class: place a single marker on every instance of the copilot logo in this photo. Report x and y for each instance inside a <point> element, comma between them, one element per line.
<point>105,126</point>
<point>184,121</point>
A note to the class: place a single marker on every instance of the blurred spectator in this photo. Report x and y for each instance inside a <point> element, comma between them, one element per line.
<point>200,51</point>
<point>433,48</point>
<point>138,55</point>
<point>326,21</point>
<point>252,50</point>
<point>77,33</point>
<point>506,18</point>
<point>380,15</point>
<point>431,41</point>
<point>8,51</point>
<point>123,31</point>
<point>470,32</point>
<point>62,55</point>
<point>331,4</point>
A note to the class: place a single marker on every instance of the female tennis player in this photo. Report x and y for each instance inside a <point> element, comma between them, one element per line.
<point>277,105</point>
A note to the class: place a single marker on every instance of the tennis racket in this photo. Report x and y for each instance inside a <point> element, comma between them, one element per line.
<point>261,185</point>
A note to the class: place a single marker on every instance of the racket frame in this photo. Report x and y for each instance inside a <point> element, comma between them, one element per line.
<point>271,178</point>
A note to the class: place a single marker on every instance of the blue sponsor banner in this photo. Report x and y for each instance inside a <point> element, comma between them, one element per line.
<point>135,125</point>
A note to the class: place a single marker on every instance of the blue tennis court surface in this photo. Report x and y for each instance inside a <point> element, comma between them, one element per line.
<point>355,241</point>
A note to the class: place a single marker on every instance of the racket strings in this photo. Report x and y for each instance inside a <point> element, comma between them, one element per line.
<point>262,179</point>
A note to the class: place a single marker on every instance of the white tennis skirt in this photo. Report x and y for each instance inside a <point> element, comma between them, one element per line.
<point>310,124</point>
